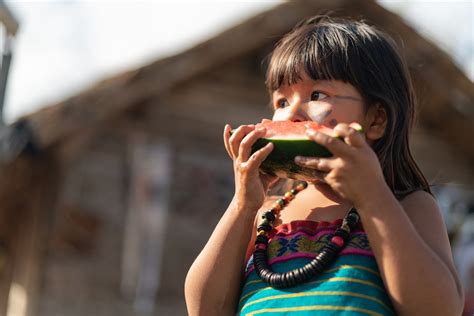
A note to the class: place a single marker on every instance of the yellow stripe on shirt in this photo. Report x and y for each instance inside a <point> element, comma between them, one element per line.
<point>334,279</point>
<point>357,267</point>
<point>313,308</point>
<point>318,293</point>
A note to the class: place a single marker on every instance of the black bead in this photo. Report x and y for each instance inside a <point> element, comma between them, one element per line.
<point>273,280</point>
<point>311,269</point>
<point>323,258</point>
<point>331,248</point>
<point>266,275</point>
<point>261,239</point>
<point>268,215</point>
<point>286,279</point>
<point>342,233</point>
<point>300,276</point>
<point>281,279</point>
<point>307,271</point>
<point>315,267</point>
<point>352,218</point>
<point>264,226</point>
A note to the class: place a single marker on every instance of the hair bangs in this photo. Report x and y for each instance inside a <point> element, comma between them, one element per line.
<point>320,54</point>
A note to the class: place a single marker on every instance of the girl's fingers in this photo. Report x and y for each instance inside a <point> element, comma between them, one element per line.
<point>227,130</point>
<point>245,148</point>
<point>352,134</point>
<point>237,136</point>
<point>321,175</point>
<point>334,144</point>
<point>321,164</point>
<point>259,156</point>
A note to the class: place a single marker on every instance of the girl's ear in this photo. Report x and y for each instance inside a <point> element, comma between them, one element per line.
<point>377,122</point>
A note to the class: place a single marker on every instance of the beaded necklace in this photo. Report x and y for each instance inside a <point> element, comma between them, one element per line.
<point>323,260</point>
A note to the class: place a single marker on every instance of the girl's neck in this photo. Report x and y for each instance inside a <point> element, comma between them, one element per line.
<point>323,195</point>
<point>317,203</point>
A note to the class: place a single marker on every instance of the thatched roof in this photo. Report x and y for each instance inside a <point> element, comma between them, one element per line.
<point>448,95</point>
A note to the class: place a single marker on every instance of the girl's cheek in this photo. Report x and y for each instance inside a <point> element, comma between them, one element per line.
<point>319,112</point>
<point>280,115</point>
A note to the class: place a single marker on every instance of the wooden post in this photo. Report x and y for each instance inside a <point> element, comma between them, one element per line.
<point>150,172</point>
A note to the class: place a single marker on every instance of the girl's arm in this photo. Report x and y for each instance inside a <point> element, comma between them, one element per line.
<point>411,246</point>
<point>408,238</point>
<point>213,282</point>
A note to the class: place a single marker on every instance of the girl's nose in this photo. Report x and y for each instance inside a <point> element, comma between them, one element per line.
<point>296,114</point>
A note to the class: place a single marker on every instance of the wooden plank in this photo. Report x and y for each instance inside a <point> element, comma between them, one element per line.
<point>27,191</point>
<point>13,183</point>
<point>6,268</point>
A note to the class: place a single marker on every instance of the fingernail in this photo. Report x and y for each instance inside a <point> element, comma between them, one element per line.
<point>357,127</point>
<point>311,132</point>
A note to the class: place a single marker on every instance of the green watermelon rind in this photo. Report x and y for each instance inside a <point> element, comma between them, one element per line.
<point>281,161</point>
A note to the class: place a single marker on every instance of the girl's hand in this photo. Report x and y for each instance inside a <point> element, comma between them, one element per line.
<point>354,170</point>
<point>251,185</point>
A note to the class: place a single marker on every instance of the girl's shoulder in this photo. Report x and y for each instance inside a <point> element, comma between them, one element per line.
<point>419,200</point>
<point>426,218</point>
<point>423,212</point>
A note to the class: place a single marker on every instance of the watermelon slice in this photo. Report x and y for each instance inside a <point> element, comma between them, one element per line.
<point>290,140</point>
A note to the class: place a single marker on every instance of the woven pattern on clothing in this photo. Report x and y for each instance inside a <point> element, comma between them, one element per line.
<point>352,286</point>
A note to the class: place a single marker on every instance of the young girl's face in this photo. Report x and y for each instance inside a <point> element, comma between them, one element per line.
<point>327,102</point>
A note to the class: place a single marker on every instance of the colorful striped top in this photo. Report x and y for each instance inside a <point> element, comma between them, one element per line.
<point>352,286</point>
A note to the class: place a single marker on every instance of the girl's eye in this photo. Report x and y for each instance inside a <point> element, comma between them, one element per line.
<point>316,96</point>
<point>282,103</point>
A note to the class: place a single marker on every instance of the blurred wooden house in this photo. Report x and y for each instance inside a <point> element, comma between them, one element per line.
<point>107,197</point>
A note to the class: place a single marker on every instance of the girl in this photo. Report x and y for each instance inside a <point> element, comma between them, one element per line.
<point>390,254</point>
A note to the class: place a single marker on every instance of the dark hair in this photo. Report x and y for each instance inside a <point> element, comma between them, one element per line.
<point>354,52</point>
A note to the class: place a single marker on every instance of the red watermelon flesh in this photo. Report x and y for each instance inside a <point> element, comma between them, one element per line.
<point>291,130</point>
